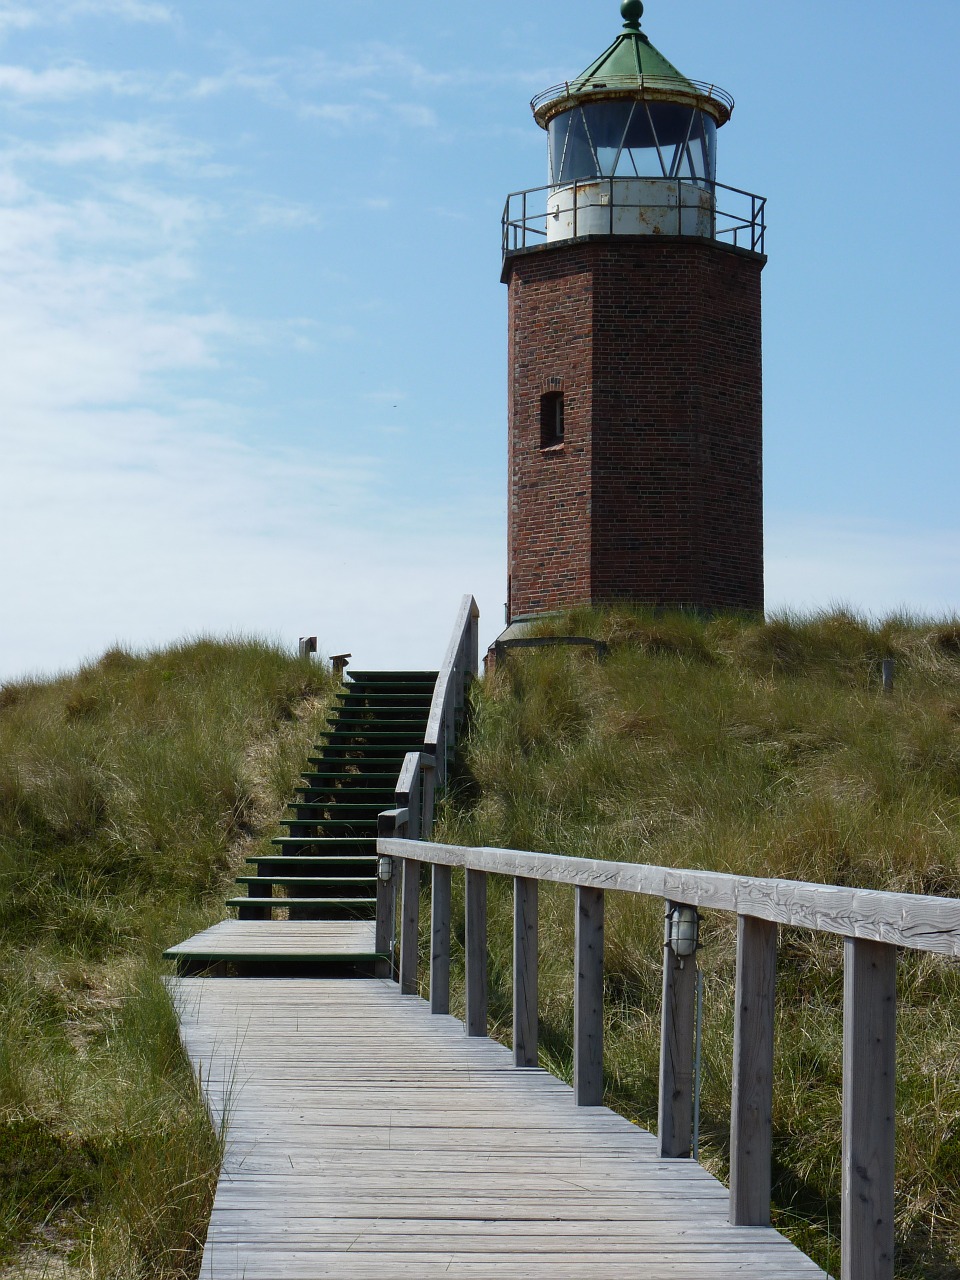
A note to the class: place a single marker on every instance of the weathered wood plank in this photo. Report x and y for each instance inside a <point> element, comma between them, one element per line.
<point>751,1117</point>
<point>677,1021</point>
<point>440,940</point>
<point>869,1098</point>
<point>476,953</point>
<point>588,999</point>
<point>525,972</point>
<point>923,923</point>
<point>410,929</point>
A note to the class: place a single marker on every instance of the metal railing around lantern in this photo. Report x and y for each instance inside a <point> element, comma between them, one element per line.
<point>595,206</point>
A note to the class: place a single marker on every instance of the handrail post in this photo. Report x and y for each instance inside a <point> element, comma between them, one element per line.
<point>410,928</point>
<point>869,1098</point>
<point>476,952</point>
<point>429,785</point>
<point>525,972</point>
<point>588,1000</point>
<point>751,1113</point>
<point>386,902</point>
<point>678,1017</point>
<point>440,939</point>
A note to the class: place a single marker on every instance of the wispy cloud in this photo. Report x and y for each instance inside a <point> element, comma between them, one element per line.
<point>121,145</point>
<point>75,79</point>
<point>18,17</point>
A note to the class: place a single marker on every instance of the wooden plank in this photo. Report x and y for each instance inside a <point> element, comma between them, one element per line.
<point>588,1000</point>
<point>410,929</point>
<point>922,923</point>
<point>751,1115</point>
<point>476,953</point>
<point>869,1100</point>
<point>678,1014</point>
<point>525,972</point>
<point>440,941</point>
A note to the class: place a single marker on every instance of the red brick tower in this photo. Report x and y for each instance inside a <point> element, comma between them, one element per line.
<point>635,369</point>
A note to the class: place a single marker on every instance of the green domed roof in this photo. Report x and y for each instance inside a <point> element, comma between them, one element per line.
<point>632,68</point>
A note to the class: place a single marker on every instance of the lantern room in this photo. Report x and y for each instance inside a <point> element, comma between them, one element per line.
<point>632,150</point>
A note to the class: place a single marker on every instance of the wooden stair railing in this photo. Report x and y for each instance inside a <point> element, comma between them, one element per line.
<point>873,925</point>
<point>412,816</point>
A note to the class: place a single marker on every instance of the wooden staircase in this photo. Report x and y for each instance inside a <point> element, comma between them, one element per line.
<point>325,867</point>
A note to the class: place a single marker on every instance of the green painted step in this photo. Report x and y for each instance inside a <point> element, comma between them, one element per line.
<point>340,807</point>
<point>358,881</point>
<point>300,902</point>
<point>395,677</point>
<point>325,796</point>
<point>332,867</point>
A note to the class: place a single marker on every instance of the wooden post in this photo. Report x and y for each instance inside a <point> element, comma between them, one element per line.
<point>751,1114</point>
<point>429,779</point>
<point>588,1000</point>
<point>440,941</point>
<point>678,1018</point>
<point>386,902</point>
<point>888,670</point>
<point>869,1098</point>
<point>410,928</point>
<point>476,952</point>
<point>525,972</point>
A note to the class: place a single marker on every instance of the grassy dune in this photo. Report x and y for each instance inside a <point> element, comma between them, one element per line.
<point>129,792</point>
<point>762,749</point>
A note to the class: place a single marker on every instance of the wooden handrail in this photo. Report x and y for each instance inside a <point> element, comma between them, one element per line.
<point>873,924</point>
<point>449,695</point>
<point>909,920</point>
<point>412,818</point>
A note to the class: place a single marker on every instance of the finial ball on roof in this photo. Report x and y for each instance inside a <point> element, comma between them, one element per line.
<point>632,11</point>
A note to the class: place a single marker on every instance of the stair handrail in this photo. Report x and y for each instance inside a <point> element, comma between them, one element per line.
<point>449,694</point>
<point>421,771</point>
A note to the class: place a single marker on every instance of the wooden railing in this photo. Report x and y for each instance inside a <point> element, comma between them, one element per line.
<point>872,924</point>
<point>422,772</point>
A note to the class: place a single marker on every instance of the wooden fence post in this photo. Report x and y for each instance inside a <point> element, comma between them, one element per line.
<point>476,952</point>
<point>440,940</point>
<point>410,928</point>
<point>386,902</point>
<point>525,972</point>
<point>869,1099</point>
<point>588,1000</point>
<point>429,782</point>
<point>676,1051</point>
<point>751,1113</point>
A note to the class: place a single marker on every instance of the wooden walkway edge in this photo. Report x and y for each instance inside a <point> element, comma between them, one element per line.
<point>368,1138</point>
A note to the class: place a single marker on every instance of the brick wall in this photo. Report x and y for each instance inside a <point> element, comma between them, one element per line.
<point>655,495</point>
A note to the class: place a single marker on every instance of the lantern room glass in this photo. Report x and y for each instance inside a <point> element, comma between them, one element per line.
<point>627,138</point>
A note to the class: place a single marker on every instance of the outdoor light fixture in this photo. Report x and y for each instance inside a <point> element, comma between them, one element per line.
<point>385,868</point>
<point>684,931</point>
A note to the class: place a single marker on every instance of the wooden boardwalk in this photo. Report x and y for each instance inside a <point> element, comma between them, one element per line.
<point>367,1138</point>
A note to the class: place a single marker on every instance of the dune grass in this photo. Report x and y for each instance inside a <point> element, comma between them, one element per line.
<point>760,749</point>
<point>129,793</point>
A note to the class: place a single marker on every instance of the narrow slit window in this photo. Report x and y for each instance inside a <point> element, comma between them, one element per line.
<point>551,419</point>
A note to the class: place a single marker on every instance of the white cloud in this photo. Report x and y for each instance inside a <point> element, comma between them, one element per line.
<point>127,10</point>
<point>120,145</point>
<point>286,213</point>
<point>70,81</point>
<point>16,18</point>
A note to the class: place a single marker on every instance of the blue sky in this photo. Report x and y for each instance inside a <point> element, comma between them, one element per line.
<point>252,334</point>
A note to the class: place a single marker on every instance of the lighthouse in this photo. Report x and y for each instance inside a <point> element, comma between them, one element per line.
<point>635,384</point>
